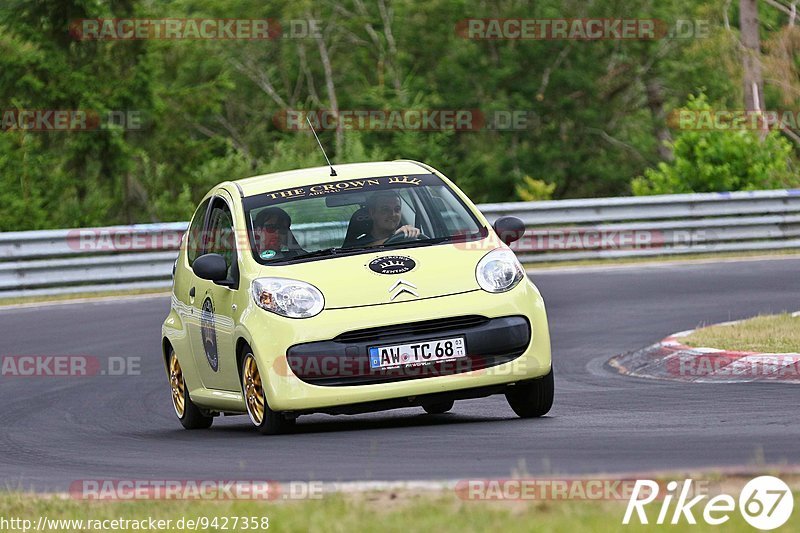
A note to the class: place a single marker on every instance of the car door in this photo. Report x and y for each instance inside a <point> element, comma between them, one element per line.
<point>213,343</point>
<point>184,280</point>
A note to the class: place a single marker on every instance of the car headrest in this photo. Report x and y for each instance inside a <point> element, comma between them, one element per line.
<point>360,224</point>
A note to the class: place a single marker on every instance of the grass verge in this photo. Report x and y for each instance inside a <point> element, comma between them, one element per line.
<point>770,334</point>
<point>79,296</point>
<point>379,512</point>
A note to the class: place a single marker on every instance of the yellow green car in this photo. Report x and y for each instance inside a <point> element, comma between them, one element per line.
<point>345,290</point>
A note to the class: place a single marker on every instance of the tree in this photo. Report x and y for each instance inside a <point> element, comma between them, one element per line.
<point>721,161</point>
<point>751,55</point>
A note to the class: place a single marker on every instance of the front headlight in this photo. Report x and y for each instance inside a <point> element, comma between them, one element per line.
<point>287,297</point>
<point>499,271</point>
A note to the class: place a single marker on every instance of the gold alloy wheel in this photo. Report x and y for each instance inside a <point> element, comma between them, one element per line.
<point>177,385</point>
<point>253,390</point>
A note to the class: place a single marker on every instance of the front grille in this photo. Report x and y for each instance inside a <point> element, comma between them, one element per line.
<point>425,327</point>
<point>345,359</point>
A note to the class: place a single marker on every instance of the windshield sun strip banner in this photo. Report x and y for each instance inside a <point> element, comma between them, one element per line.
<point>338,186</point>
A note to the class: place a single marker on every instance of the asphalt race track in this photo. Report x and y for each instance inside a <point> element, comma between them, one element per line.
<point>59,430</point>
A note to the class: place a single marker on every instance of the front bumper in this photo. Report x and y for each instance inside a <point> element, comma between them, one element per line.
<point>345,360</point>
<point>286,391</point>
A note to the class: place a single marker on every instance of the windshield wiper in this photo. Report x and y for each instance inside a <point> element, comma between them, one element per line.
<point>335,250</point>
<point>437,240</point>
<point>318,253</point>
<point>428,242</point>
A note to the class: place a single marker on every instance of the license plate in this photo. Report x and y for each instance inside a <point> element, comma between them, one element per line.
<point>416,353</point>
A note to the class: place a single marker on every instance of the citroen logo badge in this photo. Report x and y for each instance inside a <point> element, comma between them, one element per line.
<point>401,286</point>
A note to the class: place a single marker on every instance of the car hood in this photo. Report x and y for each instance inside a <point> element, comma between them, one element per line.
<point>388,277</point>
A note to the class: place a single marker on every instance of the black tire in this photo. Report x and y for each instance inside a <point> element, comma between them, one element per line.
<point>438,408</point>
<point>192,416</point>
<point>534,398</point>
<point>271,422</point>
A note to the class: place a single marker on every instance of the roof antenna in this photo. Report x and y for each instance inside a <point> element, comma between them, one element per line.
<point>333,172</point>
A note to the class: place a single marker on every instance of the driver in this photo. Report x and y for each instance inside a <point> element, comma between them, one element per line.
<point>384,209</point>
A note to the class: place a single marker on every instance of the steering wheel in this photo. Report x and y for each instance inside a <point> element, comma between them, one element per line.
<point>401,237</point>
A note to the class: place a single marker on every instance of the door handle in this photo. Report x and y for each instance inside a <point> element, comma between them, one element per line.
<point>191,292</point>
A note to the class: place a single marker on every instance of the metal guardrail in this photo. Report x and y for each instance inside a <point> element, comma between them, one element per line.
<point>141,256</point>
<point>569,230</point>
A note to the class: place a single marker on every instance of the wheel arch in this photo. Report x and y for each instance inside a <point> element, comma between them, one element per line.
<point>166,348</point>
<point>241,344</point>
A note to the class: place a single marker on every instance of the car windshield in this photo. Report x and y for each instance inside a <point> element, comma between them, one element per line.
<point>354,216</point>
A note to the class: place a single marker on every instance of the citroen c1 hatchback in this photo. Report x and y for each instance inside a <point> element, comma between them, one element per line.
<point>372,286</point>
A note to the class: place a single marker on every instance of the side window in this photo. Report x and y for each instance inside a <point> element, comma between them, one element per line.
<point>221,239</point>
<point>194,240</point>
<point>452,213</point>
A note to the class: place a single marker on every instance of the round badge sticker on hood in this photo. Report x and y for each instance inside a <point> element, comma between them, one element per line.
<point>392,264</point>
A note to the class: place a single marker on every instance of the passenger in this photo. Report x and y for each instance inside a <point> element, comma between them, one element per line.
<point>271,230</point>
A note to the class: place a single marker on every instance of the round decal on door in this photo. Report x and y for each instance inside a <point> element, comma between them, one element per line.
<point>209,334</point>
<point>392,264</point>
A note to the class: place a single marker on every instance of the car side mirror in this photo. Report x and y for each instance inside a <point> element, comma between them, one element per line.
<point>509,229</point>
<point>211,267</point>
